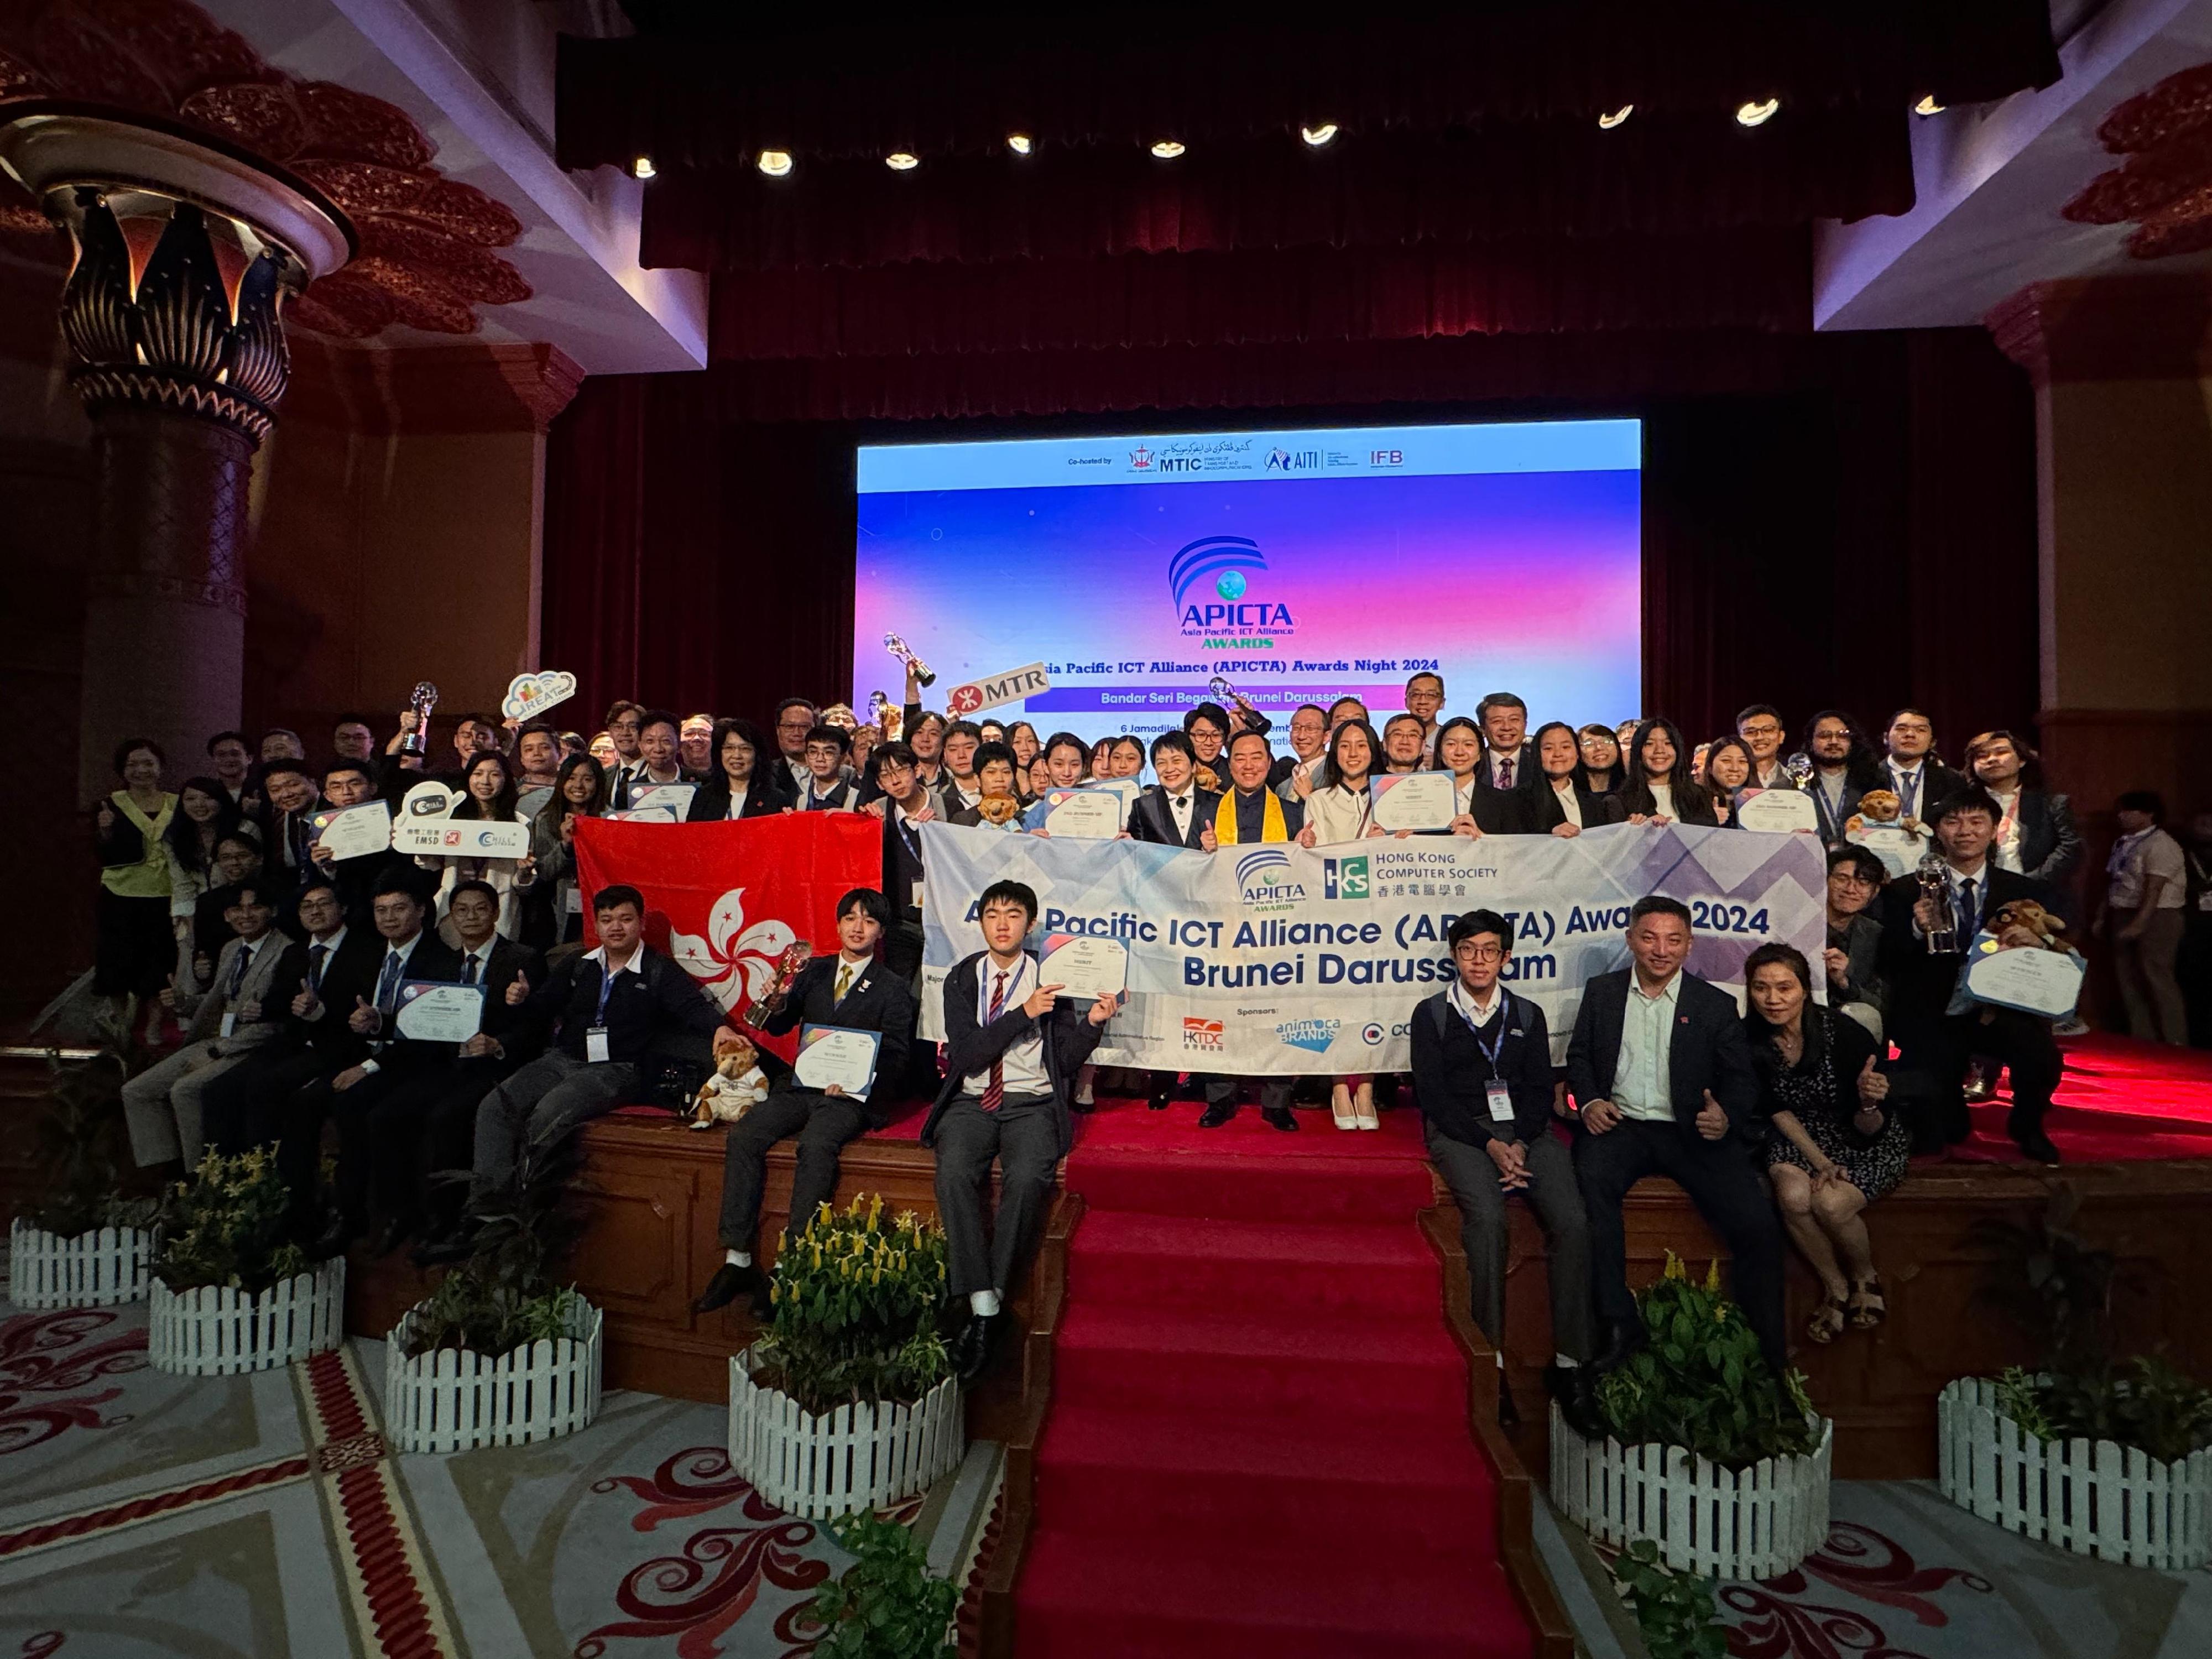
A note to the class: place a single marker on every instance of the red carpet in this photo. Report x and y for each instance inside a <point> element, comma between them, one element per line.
<point>1258,1442</point>
<point>2120,1100</point>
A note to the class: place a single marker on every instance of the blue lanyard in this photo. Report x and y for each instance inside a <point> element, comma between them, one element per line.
<point>1491,1049</point>
<point>606,990</point>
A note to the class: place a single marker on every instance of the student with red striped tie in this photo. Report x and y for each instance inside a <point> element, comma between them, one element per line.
<point>1011,1051</point>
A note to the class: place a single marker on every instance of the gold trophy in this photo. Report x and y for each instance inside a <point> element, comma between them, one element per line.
<point>795,956</point>
<point>899,649</point>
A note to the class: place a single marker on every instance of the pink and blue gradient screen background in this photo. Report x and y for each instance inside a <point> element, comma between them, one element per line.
<point>1527,581</point>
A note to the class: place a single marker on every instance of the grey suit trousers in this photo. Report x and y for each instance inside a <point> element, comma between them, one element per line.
<point>1552,1193</point>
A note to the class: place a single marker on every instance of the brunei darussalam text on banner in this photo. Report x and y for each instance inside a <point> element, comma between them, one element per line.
<point>1276,958</point>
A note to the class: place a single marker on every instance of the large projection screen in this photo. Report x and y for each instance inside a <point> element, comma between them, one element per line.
<point>1302,566</point>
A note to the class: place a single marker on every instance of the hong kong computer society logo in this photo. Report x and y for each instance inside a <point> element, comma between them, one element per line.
<point>1225,565</point>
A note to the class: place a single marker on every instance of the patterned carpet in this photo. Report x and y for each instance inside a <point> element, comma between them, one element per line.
<point>144,1515</point>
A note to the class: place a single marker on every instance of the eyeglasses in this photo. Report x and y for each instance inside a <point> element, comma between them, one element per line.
<point>1482,953</point>
<point>1852,879</point>
<point>1766,730</point>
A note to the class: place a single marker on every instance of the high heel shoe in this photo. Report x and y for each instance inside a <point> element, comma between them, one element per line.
<point>1340,1108</point>
<point>1363,1107</point>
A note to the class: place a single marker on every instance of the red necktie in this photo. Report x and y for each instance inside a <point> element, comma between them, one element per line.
<point>995,1091</point>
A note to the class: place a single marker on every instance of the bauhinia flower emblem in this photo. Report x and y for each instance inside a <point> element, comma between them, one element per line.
<point>735,963</point>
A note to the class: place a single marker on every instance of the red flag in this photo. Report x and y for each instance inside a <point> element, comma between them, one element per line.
<point>726,899</point>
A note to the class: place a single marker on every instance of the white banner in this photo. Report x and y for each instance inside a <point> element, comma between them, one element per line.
<point>1277,960</point>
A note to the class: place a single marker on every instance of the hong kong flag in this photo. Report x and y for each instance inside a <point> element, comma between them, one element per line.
<point>727,900</point>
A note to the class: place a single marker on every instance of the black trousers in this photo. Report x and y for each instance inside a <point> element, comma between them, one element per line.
<point>424,1126</point>
<point>1730,1193</point>
<point>902,948</point>
<point>245,1107</point>
<point>1274,1091</point>
<point>1557,1199</point>
<point>1940,1051</point>
<point>823,1124</point>
<point>1023,1136</point>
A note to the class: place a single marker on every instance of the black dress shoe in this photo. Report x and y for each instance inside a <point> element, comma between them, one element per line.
<point>1509,1414</point>
<point>1278,1117</point>
<point>1216,1115</point>
<point>1621,1343</point>
<point>1158,1100</point>
<point>446,1248</point>
<point>391,1235</point>
<point>729,1283</point>
<point>2032,1141</point>
<point>1575,1390</point>
<point>971,1349</point>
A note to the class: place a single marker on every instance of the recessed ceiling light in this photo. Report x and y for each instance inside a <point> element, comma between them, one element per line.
<point>642,167</point>
<point>1020,142</point>
<point>1757,112</point>
<point>901,161</point>
<point>1609,122</point>
<point>774,162</point>
<point>1317,137</point>
<point>1928,105</point>
<point>1167,148</point>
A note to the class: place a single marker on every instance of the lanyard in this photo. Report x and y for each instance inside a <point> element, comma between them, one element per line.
<point>1464,1006</point>
<point>606,990</point>
<point>908,835</point>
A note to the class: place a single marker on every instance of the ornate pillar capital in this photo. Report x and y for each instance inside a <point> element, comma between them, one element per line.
<point>2107,328</point>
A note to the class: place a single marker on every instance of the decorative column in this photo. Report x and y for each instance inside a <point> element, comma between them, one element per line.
<point>186,250</point>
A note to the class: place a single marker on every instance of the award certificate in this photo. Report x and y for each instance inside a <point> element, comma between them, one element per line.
<point>640,815</point>
<point>1088,815</point>
<point>347,832</point>
<point>431,1012</point>
<point>831,1055</point>
<point>1900,849</point>
<point>2045,983</point>
<point>1776,811</point>
<point>461,838</point>
<point>1082,967</point>
<point>673,798</point>
<point>1412,801</point>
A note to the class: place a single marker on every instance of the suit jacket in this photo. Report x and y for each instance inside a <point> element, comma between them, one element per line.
<point>1596,810</point>
<point>2050,845</point>
<point>1706,1051</point>
<point>1151,820</point>
<point>901,866</point>
<point>971,1046</point>
<point>287,879</point>
<point>348,974</point>
<point>1513,811</point>
<point>507,960</point>
<point>878,1000</point>
<point>1920,982</point>
<point>650,1009</point>
<point>1450,1073</point>
<point>845,797</point>
<point>710,802</point>
<point>1860,944</point>
<point>272,981</point>
<point>1937,783</point>
<point>431,958</point>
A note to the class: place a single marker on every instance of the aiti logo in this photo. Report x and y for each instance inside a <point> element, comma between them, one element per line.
<point>1222,562</point>
<point>1202,1035</point>
<point>1284,461</point>
<point>1344,878</point>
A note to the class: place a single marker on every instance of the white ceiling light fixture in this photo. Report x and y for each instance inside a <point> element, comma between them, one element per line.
<point>642,167</point>
<point>1167,148</point>
<point>1609,122</point>
<point>1928,105</point>
<point>1318,137</point>
<point>776,163</point>
<point>1757,112</point>
<point>901,161</point>
<point>1020,142</point>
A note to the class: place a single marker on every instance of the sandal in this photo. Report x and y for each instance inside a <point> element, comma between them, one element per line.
<point>1826,1323</point>
<point>1868,1309</point>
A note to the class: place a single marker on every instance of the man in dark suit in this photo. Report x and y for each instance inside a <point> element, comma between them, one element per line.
<point>1922,781</point>
<point>424,1119</point>
<point>1505,782</point>
<point>1173,811</point>
<point>1482,1077</point>
<point>1011,1051</point>
<point>1661,1076</point>
<point>849,990</point>
<point>1935,1044</point>
<point>826,788</point>
<point>286,835</point>
<point>351,783</point>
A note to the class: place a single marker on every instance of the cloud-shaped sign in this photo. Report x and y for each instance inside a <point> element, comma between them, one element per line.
<point>532,694</point>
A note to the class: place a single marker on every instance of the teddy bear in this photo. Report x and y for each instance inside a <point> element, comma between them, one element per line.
<point>2026,917</point>
<point>997,810</point>
<point>738,1086</point>
<point>1878,808</point>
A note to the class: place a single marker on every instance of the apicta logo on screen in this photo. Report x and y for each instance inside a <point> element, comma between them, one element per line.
<point>1212,581</point>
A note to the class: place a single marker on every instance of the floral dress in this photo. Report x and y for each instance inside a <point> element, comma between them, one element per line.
<point>1822,1091</point>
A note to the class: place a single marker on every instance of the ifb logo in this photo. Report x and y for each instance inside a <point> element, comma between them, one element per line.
<point>1345,878</point>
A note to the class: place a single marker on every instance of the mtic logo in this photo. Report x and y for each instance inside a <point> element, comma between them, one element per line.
<point>1202,1035</point>
<point>1344,878</point>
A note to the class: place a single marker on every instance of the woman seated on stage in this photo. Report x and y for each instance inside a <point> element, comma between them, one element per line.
<point>1728,773</point>
<point>1568,805</point>
<point>1341,809</point>
<point>1659,789</point>
<point>1833,1146</point>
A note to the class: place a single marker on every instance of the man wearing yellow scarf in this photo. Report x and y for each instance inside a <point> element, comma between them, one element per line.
<point>1250,812</point>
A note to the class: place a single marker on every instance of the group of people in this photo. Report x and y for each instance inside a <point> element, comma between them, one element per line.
<point>285,966</point>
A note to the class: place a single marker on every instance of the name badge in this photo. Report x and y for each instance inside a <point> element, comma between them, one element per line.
<point>917,896</point>
<point>230,1024</point>
<point>1500,1095</point>
<point>2204,899</point>
<point>572,902</point>
<point>595,1045</point>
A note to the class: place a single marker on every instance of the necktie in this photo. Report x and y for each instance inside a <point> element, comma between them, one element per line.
<point>387,983</point>
<point>1505,771</point>
<point>995,1090</point>
<point>1908,788</point>
<point>315,955</point>
<point>844,983</point>
<point>295,834</point>
<point>245,960</point>
<point>469,969</point>
<point>1967,914</point>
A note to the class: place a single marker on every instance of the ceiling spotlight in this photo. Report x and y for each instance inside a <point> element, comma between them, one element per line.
<point>1609,122</point>
<point>776,163</point>
<point>901,161</point>
<point>1928,105</point>
<point>1756,114</point>
<point>1317,136</point>
<point>642,167</point>
<point>1020,142</point>
<point>1167,148</point>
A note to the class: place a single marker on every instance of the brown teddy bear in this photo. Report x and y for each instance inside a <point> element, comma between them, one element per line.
<point>1878,806</point>
<point>737,1086</point>
<point>2023,921</point>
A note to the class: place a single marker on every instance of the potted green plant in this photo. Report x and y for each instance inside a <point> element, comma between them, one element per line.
<point>849,1399</point>
<point>501,1351</point>
<point>80,1243</point>
<point>232,1290</point>
<point>886,1605</point>
<point>1720,1463</point>
<point>2099,1455</point>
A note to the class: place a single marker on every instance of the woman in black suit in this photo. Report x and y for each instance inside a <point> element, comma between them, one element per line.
<point>1728,771</point>
<point>1565,804</point>
<point>2036,836</point>
<point>741,788</point>
<point>1659,789</point>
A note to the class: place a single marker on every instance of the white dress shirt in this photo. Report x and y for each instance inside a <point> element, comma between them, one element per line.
<point>1642,1076</point>
<point>1180,805</point>
<point>1021,1068</point>
<point>1662,800</point>
<point>1571,803</point>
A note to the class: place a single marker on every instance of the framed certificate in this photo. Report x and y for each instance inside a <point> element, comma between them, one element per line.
<point>1083,967</point>
<point>1778,811</point>
<point>430,1012</point>
<point>347,832</point>
<point>1412,801</point>
<point>2031,981</point>
<point>1087,815</point>
<point>834,1055</point>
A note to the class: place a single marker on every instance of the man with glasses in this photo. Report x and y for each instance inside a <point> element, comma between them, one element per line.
<point>795,718</point>
<point>1843,770</point>
<point>1856,987</point>
<point>1425,701</point>
<point>1760,728</point>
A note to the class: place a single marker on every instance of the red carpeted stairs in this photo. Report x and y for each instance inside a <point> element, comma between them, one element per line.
<point>1258,1440</point>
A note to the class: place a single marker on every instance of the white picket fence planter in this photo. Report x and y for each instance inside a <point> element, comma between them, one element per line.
<point>450,1401</point>
<point>215,1331</point>
<point>853,1458</point>
<point>1740,1523</point>
<point>2093,1498</point>
<point>95,1269</point>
